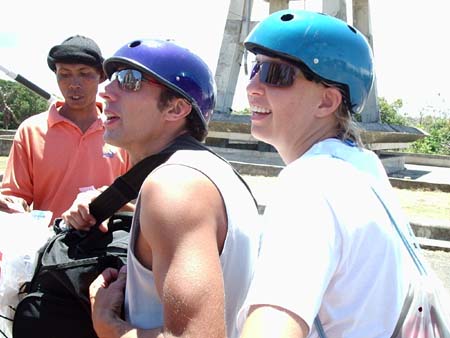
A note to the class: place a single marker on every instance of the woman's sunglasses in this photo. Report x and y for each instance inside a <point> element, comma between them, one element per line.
<point>274,74</point>
<point>131,79</point>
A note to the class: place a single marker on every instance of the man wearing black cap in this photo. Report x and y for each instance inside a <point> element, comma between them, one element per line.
<point>61,152</point>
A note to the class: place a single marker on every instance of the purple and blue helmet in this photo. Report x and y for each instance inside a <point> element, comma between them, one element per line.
<point>174,66</point>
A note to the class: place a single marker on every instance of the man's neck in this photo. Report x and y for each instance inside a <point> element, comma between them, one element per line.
<point>83,118</point>
<point>157,145</point>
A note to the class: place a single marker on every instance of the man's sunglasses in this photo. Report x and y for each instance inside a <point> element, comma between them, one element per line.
<point>274,74</point>
<point>131,79</point>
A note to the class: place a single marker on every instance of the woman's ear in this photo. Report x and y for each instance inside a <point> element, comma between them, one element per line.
<point>178,109</point>
<point>331,100</point>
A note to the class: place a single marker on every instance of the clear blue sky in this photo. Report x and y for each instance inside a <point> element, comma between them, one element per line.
<point>410,38</point>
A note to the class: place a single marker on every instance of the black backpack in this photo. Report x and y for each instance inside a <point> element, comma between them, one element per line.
<point>57,298</point>
<point>56,302</point>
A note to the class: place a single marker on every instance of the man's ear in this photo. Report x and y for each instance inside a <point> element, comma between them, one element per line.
<point>178,109</point>
<point>331,100</point>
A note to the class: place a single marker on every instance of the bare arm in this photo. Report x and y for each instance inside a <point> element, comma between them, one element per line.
<point>266,321</point>
<point>183,221</point>
<point>185,248</point>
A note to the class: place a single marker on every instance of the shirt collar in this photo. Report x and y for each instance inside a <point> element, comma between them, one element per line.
<point>54,117</point>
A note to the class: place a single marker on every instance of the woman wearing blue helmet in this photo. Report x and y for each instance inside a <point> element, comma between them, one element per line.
<point>329,251</point>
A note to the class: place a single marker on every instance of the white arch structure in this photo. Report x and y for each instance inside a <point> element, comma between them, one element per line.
<point>238,25</point>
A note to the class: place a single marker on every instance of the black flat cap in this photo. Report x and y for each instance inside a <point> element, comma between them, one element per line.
<point>76,49</point>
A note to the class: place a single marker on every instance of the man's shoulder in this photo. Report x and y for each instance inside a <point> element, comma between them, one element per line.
<point>173,190</point>
<point>34,122</point>
<point>179,184</point>
<point>171,172</point>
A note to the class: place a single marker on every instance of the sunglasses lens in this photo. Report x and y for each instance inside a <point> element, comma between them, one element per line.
<point>129,79</point>
<point>274,74</point>
<point>255,70</point>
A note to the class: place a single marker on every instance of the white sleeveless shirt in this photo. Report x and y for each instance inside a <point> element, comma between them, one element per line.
<point>143,307</point>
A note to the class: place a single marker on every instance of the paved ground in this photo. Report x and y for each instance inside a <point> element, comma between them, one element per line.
<point>440,175</point>
<point>440,263</point>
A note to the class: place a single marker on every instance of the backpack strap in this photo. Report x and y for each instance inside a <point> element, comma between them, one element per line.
<point>126,187</point>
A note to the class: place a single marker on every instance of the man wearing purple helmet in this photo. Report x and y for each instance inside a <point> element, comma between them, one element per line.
<point>331,262</point>
<point>195,236</point>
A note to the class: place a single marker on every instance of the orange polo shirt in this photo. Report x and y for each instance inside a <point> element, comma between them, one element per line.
<point>51,161</point>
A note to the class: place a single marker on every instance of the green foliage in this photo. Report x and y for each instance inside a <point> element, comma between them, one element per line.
<point>438,141</point>
<point>438,128</point>
<point>21,101</point>
<point>245,111</point>
<point>389,112</point>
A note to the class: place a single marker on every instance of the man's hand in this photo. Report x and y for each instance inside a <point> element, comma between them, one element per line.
<point>107,293</point>
<point>12,204</point>
<point>78,215</point>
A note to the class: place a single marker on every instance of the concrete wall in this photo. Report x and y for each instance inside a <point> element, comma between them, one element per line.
<point>422,159</point>
<point>5,146</point>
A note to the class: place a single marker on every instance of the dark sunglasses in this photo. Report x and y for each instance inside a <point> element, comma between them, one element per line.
<point>274,74</point>
<point>131,79</point>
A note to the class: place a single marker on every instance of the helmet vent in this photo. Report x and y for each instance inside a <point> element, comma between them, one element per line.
<point>352,29</point>
<point>287,17</point>
<point>135,44</point>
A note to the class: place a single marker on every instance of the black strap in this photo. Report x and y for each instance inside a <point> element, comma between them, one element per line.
<point>126,187</point>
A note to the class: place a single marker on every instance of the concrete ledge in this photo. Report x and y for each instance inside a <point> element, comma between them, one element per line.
<point>433,244</point>
<point>273,170</point>
<point>373,134</point>
<point>392,163</point>
<point>432,231</point>
<point>421,159</point>
<point>256,169</point>
<point>249,156</point>
<point>416,185</point>
<point>7,132</point>
<point>5,145</point>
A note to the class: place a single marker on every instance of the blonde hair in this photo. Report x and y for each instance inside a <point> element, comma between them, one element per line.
<point>347,129</point>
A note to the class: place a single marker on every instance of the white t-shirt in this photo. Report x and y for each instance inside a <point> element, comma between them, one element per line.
<point>329,247</point>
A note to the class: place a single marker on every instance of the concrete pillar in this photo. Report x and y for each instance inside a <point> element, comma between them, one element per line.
<point>361,20</point>
<point>336,8</point>
<point>237,28</point>
<point>277,5</point>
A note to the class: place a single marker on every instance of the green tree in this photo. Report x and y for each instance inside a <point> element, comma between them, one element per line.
<point>438,140</point>
<point>389,112</point>
<point>438,128</point>
<point>17,103</point>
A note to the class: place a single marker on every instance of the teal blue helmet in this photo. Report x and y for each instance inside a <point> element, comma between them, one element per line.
<point>333,51</point>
